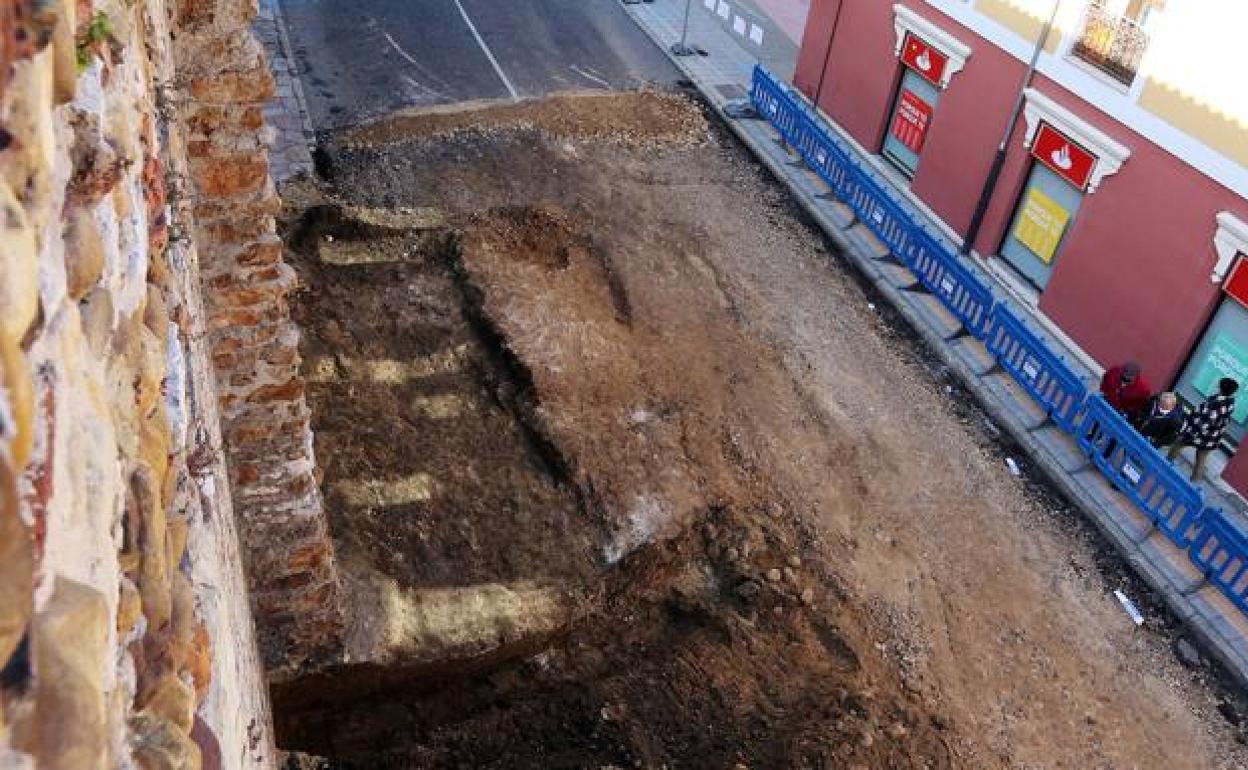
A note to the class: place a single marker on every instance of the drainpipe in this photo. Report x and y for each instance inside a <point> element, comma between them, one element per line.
<point>827,56</point>
<point>994,173</point>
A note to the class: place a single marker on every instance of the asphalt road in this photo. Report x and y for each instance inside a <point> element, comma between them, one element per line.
<point>366,58</point>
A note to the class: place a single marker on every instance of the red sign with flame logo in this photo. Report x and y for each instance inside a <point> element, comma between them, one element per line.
<point>1067,159</point>
<point>911,121</point>
<point>921,57</point>
<point>1236,283</point>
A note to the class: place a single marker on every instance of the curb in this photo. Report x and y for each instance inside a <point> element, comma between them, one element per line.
<point>279,18</point>
<point>1206,635</point>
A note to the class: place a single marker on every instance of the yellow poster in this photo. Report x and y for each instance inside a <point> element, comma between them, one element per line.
<point>1041,224</point>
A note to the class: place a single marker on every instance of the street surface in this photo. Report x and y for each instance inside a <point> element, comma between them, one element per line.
<point>376,56</point>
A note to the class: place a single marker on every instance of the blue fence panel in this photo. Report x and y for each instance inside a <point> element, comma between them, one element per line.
<point>1044,375</point>
<point>885,217</point>
<point>1140,472</point>
<point>964,294</point>
<point>1221,554</point>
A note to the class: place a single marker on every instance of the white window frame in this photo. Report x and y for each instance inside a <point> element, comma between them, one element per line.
<point>905,20</point>
<point>1230,240</point>
<point>1110,154</point>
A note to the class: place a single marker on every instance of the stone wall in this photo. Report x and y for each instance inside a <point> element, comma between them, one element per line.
<point>125,634</point>
<point>295,591</point>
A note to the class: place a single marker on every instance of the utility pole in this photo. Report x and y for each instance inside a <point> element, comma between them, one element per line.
<point>683,48</point>
<point>994,173</point>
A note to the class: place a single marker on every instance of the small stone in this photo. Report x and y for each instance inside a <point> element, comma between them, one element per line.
<point>897,731</point>
<point>1187,653</point>
<point>732,554</point>
<point>84,254</point>
<point>795,561</point>
<point>774,575</point>
<point>173,701</point>
<point>709,531</point>
<point>129,608</point>
<point>790,575</point>
<point>68,642</point>
<point>1229,713</point>
<point>808,596</point>
<point>866,740</point>
<point>748,591</point>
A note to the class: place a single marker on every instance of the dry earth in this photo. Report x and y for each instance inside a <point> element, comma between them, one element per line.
<point>628,379</point>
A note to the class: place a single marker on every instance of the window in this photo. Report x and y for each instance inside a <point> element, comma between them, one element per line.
<point>1044,213</point>
<point>912,114</point>
<point>1115,36</point>
<point>1222,352</point>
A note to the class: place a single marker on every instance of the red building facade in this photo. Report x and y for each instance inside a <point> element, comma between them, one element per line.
<point>1122,238</point>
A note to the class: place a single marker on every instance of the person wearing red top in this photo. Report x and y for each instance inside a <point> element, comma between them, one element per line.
<point>1126,390</point>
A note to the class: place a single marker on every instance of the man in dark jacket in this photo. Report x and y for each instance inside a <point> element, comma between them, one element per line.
<point>1162,420</point>
<point>1126,390</point>
<point>1203,428</point>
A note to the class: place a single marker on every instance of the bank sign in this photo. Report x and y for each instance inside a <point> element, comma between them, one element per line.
<point>924,59</point>
<point>1065,158</point>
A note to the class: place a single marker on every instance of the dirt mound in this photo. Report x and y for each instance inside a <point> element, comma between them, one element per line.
<point>633,118</point>
<point>632,375</point>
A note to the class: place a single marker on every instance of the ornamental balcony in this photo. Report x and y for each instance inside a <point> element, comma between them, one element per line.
<point>1111,42</point>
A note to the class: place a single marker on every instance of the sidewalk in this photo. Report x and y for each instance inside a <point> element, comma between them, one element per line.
<point>723,75</point>
<point>290,154</point>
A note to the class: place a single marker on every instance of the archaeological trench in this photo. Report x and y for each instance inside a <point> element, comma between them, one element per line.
<point>459,454</point>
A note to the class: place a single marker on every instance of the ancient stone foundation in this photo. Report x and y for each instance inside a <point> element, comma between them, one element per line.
<point>132,156</point>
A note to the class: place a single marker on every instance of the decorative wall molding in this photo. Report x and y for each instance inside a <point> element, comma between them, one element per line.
<point>1230,240</point>
<point>905,20</point>
<point>1110,153</point>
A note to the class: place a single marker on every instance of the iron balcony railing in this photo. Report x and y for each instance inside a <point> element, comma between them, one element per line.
<point>1113,44</point>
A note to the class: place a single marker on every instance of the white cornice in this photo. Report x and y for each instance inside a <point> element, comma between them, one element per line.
<point>906,20</point>
<point>1230,240</point>
<point>1110,154</point>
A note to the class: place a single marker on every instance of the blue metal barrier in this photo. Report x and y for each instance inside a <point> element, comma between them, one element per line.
<point>1044,375</point>
<point>1220,552</point>
<point>1175,506</point>
<point>966,296</point>
<point>1140,472</point>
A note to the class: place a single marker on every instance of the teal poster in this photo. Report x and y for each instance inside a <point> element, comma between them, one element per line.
<point>1227,358</point>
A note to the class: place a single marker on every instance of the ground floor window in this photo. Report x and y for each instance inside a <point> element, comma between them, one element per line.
<point>1221,352</point>
<point>1044,213</point>
<point>913,106</point>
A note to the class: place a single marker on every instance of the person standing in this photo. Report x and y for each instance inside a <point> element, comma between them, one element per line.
<point>1126,390</point>
<point>1162,420</point>
<point>1203,428</point>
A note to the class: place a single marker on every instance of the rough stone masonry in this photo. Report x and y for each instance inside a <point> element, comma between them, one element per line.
<point>148,393</point>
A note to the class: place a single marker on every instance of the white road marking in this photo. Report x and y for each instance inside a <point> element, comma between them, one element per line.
<point>395,45</point>
<point>515,96</point>
<point>589,76</point>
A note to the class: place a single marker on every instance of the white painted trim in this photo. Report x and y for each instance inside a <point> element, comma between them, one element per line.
<point>957,52</point>
<point>1231,240</point>
<point>1119,106</point>
<point>1110,154</point>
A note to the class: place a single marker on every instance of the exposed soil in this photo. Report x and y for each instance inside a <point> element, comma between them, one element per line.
<point>631,374</point>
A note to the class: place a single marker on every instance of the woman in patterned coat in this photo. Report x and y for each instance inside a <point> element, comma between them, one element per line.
<point>1203,428</point>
